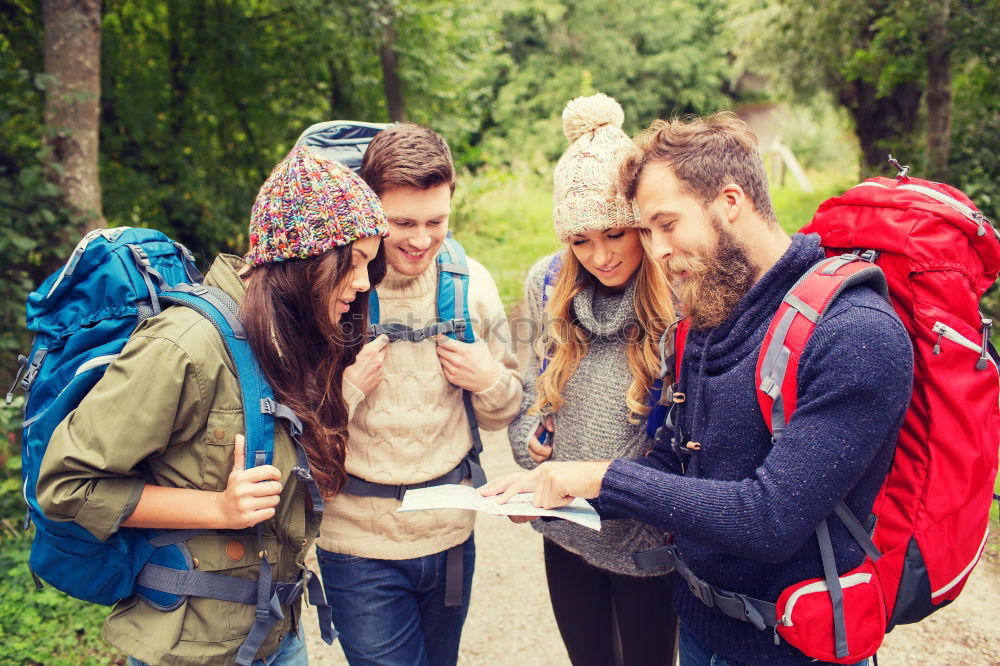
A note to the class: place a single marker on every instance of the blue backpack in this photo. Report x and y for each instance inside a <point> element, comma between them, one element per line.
<point>82,317</point>
<point>343,141</point>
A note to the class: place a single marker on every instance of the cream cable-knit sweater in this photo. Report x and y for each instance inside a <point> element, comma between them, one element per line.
<point>413,427</point>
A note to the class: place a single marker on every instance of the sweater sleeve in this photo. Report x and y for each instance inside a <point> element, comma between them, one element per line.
<point>524,424</point>
<point>151,395</point>
<point>496,405</point>
<point>845,413</point>
<point>353,396</point>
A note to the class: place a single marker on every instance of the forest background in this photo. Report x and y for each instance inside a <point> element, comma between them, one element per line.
<point>170,113</point>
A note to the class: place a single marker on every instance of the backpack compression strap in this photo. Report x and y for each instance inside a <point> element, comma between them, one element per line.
<point>260,410</point>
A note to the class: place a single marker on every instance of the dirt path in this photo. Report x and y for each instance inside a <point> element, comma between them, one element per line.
<point>510,621</point>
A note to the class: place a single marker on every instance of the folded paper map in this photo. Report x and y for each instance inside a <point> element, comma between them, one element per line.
<point>452,496</point>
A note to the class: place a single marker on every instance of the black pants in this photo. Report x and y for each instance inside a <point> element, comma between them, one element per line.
<point>609,619</point>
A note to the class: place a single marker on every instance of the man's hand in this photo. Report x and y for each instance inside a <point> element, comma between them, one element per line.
<point>554,484</point>
<point>468,365</point>
<point>538,451</point>
<point>251,494</point>
<point>369,367</point>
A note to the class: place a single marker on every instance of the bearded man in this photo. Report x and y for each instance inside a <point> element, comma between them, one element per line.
<point>743,507</point>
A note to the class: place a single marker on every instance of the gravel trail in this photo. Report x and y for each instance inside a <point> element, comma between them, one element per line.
<point>510,620</point>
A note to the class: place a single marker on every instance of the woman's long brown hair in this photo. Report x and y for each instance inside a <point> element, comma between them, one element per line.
<point>303,353</point>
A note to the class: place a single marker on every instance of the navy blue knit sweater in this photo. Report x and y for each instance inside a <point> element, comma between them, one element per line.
<point>744,513</point>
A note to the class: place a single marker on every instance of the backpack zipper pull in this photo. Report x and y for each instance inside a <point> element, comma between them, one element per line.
<point>981,221</point>
<point>937,345</point>
<point>983,358</point>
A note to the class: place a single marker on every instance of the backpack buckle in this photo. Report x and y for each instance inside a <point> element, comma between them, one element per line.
<point>702,590</point>
<point>901,170</point>
<point>865,255</point>
<point>32,373</point>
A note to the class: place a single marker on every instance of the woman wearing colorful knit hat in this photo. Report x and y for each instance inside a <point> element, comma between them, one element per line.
<point>602,305</point>
<point>159,441</point>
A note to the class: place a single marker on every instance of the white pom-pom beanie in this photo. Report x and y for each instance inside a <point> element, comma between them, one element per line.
<point>585,173</point>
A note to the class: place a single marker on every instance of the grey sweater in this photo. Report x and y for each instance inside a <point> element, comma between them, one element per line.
<point>593,424</point>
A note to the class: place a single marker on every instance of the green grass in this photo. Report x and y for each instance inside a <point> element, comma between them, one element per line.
<point>45,626</point>
<point>504,221</point>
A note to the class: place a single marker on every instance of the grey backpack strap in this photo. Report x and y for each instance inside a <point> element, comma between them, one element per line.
<point>835,589</point>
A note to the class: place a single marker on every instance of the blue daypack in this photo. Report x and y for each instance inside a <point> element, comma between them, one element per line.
<point>82,317</point>
<point>343,141</point>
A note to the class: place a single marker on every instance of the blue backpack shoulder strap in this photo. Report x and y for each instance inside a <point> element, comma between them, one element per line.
<point>260,410</point>
<point>256,393</point>
<point>374,315</point>
<point>453,289</point>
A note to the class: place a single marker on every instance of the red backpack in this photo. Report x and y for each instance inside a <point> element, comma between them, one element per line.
<point>938,255</point>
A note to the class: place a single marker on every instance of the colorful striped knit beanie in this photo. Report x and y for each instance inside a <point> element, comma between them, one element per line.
<point>309,205</point>
<point>583,177</point>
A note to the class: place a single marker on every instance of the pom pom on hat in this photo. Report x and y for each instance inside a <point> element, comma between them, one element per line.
<point>585,115</point>
<point>308,206</point>
<point>582,183</point>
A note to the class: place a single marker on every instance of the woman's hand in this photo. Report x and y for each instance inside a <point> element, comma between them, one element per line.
<point>539,451</point>
<point>369,367</point>
<point>251,495</point>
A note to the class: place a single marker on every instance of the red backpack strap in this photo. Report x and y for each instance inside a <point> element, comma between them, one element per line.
<point>801,309</point>
<point>680,337</point>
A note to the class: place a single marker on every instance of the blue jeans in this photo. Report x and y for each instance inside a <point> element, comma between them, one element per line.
<point>291,652</point>
<point>391,612</point>
<point>694,653</point>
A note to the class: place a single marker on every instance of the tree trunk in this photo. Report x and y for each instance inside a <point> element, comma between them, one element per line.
<point>939,94</point>
<point>883,124</point>
<point>390,69</point>
<point>72,102</point>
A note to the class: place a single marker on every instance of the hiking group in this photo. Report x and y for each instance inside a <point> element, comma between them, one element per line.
<point>792,441</point>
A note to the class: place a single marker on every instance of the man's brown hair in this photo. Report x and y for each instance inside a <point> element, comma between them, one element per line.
<point>407,155</point>
<point>706,154</point>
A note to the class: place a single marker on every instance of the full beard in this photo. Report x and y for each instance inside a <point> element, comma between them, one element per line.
<point>716,280</point>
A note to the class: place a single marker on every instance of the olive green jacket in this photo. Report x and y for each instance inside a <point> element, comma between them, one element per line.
<point>166,413</point>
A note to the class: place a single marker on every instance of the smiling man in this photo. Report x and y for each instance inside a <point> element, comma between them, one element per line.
<point>743,507</point>
<point>399,582</point>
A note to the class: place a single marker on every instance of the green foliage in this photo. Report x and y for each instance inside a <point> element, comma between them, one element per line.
<point>795,207</point>
<point>11,503</point>
<point>656,58</point>
<point>45,626</point>
<point>201,99</point>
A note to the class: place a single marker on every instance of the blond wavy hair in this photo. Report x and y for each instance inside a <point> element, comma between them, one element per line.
<point>564,342</point>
